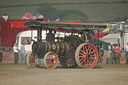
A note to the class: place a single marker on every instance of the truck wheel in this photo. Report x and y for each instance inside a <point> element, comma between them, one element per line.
<point>50,60</point>
<point>86,55</point>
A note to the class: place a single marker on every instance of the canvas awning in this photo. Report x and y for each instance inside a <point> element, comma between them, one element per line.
<point>111,38</point>
<point>65,26</point>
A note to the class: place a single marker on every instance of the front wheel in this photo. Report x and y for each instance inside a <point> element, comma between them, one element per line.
<point>86,55</point>
<point>50,60</point>
<point>31,60</point>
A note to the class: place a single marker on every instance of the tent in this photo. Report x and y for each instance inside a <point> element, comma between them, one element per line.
<point>111,38</point>
<point>38,16</point>
<point>27,16</point>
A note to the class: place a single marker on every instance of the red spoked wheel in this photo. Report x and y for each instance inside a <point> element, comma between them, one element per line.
<point>50,60</point>
<point>31,60</point>
<point>86,55</point>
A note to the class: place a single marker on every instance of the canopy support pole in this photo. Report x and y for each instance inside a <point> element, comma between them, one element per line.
<point>39,34</point>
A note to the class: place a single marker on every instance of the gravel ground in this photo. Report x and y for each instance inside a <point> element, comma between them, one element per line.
<point>20,74</point>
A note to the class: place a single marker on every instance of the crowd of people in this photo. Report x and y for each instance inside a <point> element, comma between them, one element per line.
<point>114,54</point>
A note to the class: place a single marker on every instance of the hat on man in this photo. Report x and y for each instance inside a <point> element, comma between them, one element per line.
<point>111,43</point>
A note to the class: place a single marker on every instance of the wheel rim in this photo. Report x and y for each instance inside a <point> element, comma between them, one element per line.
<point>86,55</point>
<point>31,60</point>
<point>50,60</point>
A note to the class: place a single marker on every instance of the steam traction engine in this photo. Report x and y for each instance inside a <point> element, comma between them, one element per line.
<point>78,48</point>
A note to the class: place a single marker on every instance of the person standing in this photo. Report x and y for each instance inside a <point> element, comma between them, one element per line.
<point>1,53</point>
<point>117,54</point>
<point>110,53</point>
<point>16,55</point>
<point>22,51</point>
<point>127,53</point>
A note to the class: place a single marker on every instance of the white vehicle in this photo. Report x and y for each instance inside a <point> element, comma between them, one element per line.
<point>28,36</point>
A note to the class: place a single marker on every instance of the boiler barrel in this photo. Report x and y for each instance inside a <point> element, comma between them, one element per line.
<point>60,48</point>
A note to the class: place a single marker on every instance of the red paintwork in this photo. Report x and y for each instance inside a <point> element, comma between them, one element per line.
<point>8,35</point>
<point>100,35</point>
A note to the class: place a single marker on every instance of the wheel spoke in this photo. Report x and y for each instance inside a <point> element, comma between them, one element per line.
<point>82,56</point>
<point>93,59</point>
<point>83,60</point>
<point>92,52</point>
<point>89,62</point>
<point>48,61</point>
<point>86,49</point>
<point>51,64</point>
<point>83,52</point>
<point>92,55</point>
<point>90,49</point>
<point>83,49</point>
<point>54,59</point>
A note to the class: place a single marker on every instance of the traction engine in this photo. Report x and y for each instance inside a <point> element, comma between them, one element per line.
<point>80,48</point>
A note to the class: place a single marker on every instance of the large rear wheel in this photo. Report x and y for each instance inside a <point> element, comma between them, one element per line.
<point>86,55</point>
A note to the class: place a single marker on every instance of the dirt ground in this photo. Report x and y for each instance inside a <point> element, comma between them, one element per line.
<point>20,74</point>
